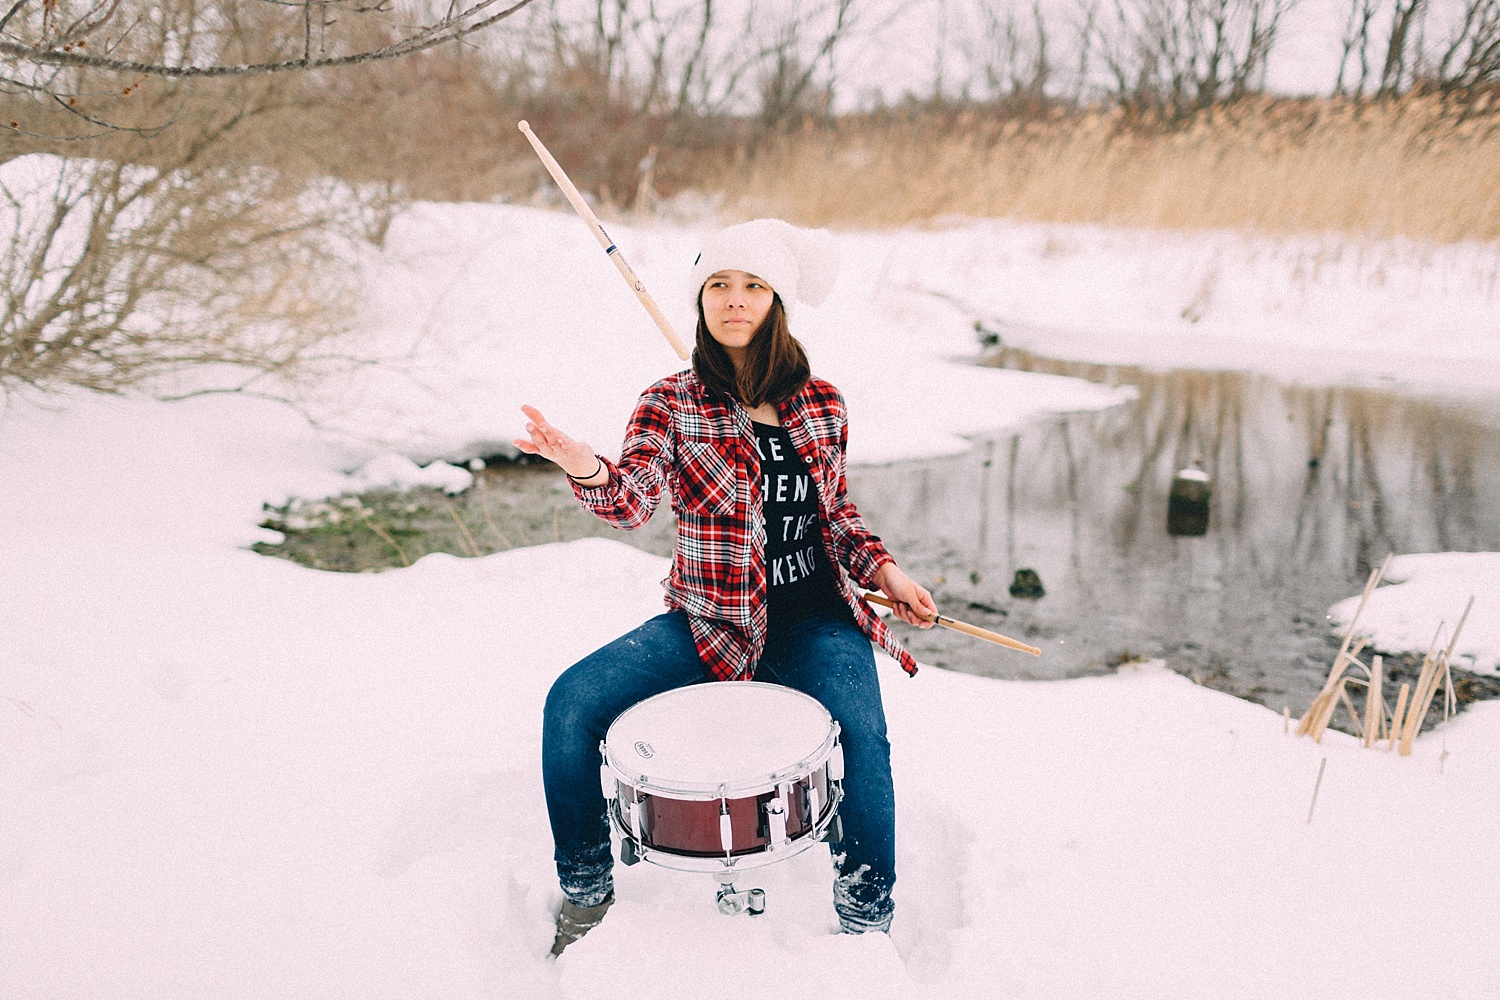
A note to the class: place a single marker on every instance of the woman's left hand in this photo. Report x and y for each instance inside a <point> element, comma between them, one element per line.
<point>913,604</point>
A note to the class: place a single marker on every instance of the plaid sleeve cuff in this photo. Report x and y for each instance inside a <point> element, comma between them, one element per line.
<point>611,501</point>
<point>868,558</point>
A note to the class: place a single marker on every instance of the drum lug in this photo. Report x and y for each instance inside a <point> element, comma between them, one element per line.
<point>726,828</point>
<point>776,822</point>
<point>607,783</point>
<point>836,763</point>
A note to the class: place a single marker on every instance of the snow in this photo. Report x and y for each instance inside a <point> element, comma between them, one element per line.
<point>1308,308</point>
<point>397,472</point>
<point>1428,591</point>
<point>230,776</point>
<point>469,340</point>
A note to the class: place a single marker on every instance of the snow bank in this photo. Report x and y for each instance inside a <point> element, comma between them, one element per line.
<point>231,776</point>
<point>1314,309</point>
<point>1425,591</point>
<point>397,472</point>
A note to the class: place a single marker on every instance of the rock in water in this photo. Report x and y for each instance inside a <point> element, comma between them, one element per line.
<point>1027,584</point>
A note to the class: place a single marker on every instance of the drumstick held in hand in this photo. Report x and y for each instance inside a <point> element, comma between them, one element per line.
<point>964,627</point>
<point>581,207</point>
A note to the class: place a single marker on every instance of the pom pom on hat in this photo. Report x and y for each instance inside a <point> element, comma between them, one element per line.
<point>800,265</point>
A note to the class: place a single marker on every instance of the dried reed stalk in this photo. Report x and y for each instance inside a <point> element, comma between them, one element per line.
<point>1450,697</point>
<point>1428,681</point>
<point>1374,703</point>
<point>1325,697</point>
<point>484,506</point>
<point>1453,642</point>
<point>1421,696</point>
<point>468,538</point>
<point>386,537</point>
<point>1325,704</point>
<point>1317,786</point>
<point>1359,726</point>
<point>1399,716</point>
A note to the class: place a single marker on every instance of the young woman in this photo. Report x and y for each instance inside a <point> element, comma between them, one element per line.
<point>749,449</point>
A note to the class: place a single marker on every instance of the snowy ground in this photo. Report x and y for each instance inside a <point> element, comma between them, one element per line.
<point>229,776</point>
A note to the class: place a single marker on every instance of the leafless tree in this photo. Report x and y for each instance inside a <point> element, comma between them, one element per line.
<point>1016,61</point>
<point>1402,47</point>
<point>1453,50</point>
<point>1181,56</point>
<point>1468,60</point>
<point>1356,48</point>
<point>796,60</point>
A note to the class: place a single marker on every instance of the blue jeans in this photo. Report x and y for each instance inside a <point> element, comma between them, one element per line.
<point>826,657</point>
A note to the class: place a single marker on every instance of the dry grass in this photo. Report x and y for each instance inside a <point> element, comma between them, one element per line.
<point>1413,168</point>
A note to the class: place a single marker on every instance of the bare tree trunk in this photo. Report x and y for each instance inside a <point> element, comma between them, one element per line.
<point>1393,75</point>
<point>1356,43</point>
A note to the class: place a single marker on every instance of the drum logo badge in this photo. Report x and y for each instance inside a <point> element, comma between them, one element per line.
<point>644,749</point>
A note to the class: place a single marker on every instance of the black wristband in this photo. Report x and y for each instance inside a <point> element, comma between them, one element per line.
<point>579,479</point>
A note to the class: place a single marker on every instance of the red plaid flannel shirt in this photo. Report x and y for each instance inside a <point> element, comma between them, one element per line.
<point>698,448</point>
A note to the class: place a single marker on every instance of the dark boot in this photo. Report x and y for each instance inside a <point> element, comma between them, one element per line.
<point>573,922</point>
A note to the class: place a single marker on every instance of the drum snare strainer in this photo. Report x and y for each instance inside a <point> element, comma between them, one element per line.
<point>723,777</point>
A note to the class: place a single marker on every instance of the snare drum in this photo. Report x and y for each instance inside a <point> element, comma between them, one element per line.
<point>720,776</point>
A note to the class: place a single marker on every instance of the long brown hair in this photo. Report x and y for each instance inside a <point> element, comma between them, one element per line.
<point>775,367</point>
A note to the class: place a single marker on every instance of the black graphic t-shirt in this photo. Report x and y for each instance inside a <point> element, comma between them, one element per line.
<point>799,580</point>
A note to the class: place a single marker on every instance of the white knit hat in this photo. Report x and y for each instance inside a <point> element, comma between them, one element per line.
<point>800,265</point>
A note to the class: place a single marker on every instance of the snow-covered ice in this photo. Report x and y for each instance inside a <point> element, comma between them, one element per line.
<point>1424,598</point>
<point>230,776</point>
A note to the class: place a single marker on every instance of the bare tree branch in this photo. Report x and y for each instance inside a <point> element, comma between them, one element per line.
<point>62,51</point>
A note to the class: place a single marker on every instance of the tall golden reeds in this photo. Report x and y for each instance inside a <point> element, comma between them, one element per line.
<point>1416,167</point>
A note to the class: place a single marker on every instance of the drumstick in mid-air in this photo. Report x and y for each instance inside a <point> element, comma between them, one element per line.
<point>964,627</point>
<point>613,252</point>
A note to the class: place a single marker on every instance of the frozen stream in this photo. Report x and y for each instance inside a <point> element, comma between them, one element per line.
<point>1311,486</point>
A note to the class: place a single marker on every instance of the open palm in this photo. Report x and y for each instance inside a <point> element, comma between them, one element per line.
<point>576,458</point>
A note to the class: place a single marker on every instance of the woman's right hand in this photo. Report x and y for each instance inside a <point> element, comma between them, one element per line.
<point>576,458</point>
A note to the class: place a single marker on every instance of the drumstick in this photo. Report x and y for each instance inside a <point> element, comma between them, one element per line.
<point>965,627</point>
<point>610,250</point>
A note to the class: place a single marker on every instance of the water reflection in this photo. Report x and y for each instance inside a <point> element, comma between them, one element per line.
<point>1311,486</point>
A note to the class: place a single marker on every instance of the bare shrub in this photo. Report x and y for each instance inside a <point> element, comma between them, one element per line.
<point>117,274</point>
<point>154,214</point>
<point>120,268</point>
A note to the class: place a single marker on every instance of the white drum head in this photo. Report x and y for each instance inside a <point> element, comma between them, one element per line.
<point>716,737</point>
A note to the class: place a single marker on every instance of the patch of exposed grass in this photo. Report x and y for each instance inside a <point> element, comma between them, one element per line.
<point>507,507</point>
